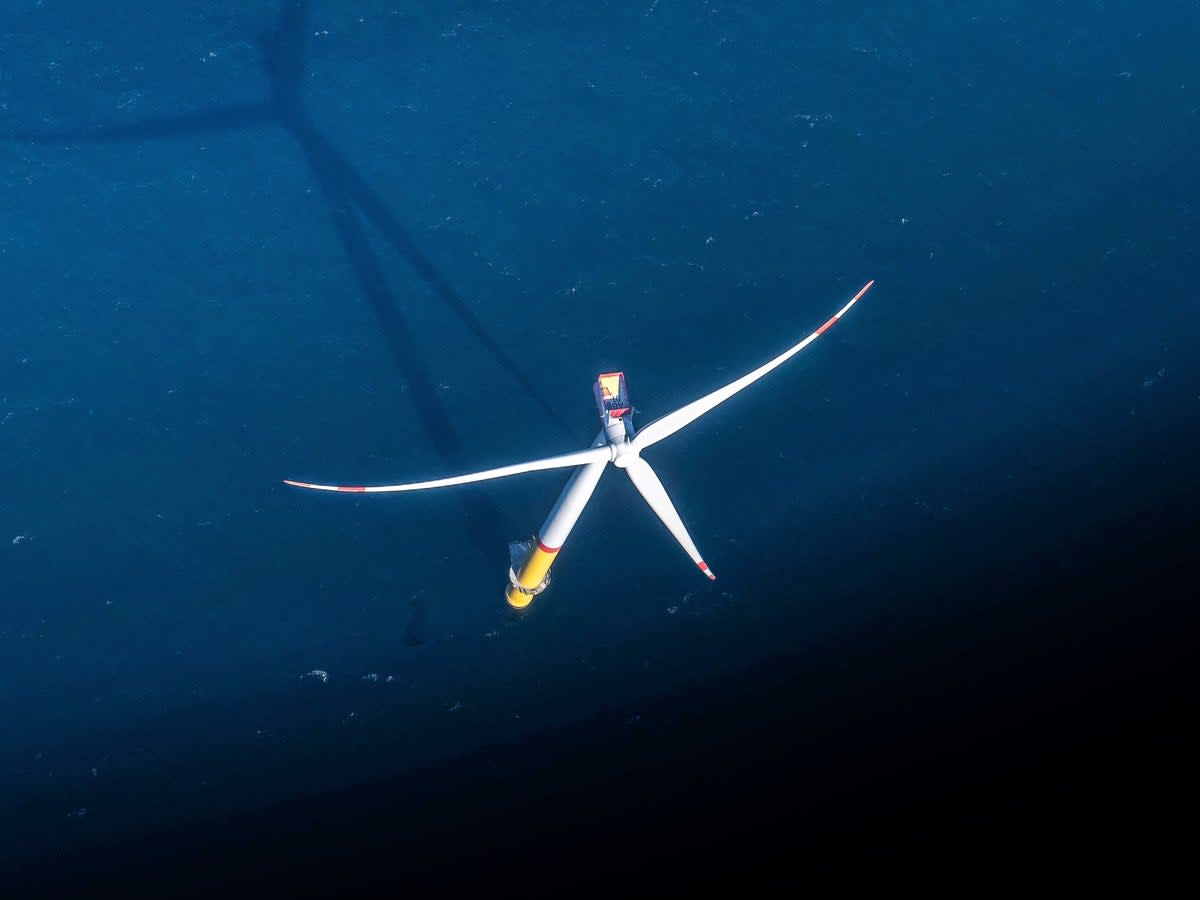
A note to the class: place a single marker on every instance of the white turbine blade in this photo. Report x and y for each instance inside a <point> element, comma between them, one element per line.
<point>578,458</point>
<point>672,422</point>
<point>651,488</point>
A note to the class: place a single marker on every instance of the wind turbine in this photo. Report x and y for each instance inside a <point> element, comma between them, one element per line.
<point>618,443</point>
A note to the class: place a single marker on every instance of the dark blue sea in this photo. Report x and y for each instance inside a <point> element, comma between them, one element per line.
<point>368,242</point>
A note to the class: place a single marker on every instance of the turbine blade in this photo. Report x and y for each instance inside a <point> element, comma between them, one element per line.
<point>566,460</point>
<point>672,422</point>
<point>655,494</point>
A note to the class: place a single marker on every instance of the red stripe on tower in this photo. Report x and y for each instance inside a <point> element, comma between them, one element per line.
<point>546,549</point>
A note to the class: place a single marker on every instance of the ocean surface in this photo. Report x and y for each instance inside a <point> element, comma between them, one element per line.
<point>367,242</point>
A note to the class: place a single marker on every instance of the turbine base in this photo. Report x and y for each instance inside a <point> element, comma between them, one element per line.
<point>533,564</point>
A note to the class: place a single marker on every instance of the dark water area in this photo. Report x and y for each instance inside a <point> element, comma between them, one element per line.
<point>371,243</point>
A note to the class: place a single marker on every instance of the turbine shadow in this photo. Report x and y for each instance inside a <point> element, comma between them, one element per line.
<point>347,195</point>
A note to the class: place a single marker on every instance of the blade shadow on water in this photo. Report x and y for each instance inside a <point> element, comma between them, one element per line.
<point>396,235</point>
<point>216,120</point>
<point>484,522</point>
<point>347,195</point>
<point>483,517</point>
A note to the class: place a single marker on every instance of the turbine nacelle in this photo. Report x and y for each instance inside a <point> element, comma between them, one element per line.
<point>618,443</point>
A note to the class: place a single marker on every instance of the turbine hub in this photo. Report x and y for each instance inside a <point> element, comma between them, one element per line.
<point>623,452</point>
